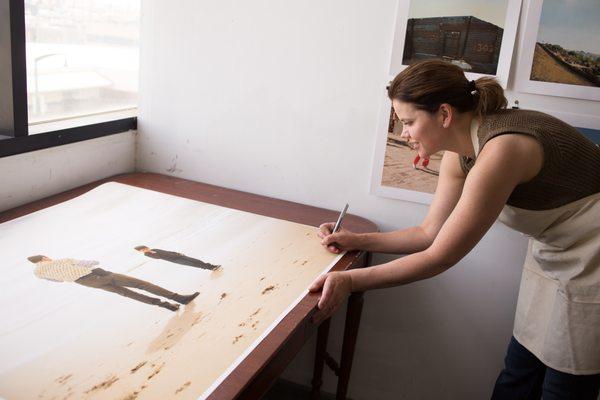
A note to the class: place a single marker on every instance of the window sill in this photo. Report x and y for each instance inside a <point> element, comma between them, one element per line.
<point>57,133</point>
<point>74,122</point>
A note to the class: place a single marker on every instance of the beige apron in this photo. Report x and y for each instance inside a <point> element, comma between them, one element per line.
<point>558,310</point>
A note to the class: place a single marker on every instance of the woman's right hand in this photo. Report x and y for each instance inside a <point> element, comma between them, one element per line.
<point>342,240</point>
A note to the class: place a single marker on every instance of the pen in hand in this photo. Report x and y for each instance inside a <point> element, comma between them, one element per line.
<point>338,224</point>
<point>337,227</point>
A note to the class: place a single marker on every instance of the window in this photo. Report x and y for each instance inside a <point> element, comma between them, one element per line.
<point>82,57</point>
<point>6,105</point>
<point>72,70</point>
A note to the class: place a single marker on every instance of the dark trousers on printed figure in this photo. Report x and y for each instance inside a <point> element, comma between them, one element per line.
<point>525,377</point>
<point>120,284</point>
<point>181,259</point>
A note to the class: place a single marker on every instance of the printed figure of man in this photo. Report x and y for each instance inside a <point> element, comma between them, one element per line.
<point>175,257</point>
<point>85,273</point>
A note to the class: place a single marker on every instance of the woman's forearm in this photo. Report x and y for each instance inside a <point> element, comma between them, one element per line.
<point>411,268</point>
<point>406,241</point>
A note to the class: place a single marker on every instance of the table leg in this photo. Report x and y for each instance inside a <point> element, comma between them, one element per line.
<point>355,304</point>
<point>317,381</point>
<point>353,313</point>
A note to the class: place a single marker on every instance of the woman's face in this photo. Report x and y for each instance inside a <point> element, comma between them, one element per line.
<point>421,129</point>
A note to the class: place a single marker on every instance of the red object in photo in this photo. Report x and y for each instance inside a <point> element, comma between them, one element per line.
<point>416,161</point>
<point>425,162</point>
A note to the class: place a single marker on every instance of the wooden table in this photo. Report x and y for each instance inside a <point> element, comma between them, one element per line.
<point>253,377</point>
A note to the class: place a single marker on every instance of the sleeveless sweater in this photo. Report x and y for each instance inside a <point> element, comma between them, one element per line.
<point>571,167</point>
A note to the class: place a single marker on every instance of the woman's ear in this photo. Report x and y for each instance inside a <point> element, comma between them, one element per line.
<point>446,114</point>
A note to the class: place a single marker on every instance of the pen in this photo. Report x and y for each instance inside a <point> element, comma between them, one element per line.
<point>338,224</point>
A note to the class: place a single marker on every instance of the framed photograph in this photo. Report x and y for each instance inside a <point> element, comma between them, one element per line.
<point>560,50</point>
<point>476,35</point>
<point>397,171</point>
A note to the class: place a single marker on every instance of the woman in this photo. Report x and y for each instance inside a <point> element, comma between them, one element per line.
<point>534,173</point>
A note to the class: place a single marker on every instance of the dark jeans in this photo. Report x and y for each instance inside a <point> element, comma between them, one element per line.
<point>119,283</point>
<point>525,377</point>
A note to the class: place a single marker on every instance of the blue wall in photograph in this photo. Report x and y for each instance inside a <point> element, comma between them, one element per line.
<point>593,134</point>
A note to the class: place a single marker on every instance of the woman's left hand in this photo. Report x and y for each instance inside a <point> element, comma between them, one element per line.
<point>335,287</point>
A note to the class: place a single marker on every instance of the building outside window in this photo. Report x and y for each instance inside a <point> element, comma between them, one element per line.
<point>82,57</point>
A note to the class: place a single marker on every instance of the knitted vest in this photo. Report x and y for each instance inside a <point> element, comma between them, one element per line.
<point>571,167</point>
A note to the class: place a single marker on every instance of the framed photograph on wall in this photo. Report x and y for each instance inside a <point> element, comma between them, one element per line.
<point>397,172</point>
<point>476,35</point>
<point>560,50</point>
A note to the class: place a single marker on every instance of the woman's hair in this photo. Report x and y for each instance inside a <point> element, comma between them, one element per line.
<point>428,84</point>
<point>36,259</point>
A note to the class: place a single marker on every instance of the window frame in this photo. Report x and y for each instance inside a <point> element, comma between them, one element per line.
<point>21,141</point>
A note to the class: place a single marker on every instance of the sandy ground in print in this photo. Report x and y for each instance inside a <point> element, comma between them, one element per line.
<point>62,340</point>
<point>545,68</point>
<point>398,171</point>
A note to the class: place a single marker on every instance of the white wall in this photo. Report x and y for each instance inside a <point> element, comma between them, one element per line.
<point>31,176</point>
<point>281,99</point>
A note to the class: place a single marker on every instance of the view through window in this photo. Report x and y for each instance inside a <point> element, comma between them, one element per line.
<point>82,57</point>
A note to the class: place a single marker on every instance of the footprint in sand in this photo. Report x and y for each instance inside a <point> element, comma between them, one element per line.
<point>237,339</point>
<point>140,365</point>
<point>250,320</point>
<point>185,385</point>
<point>156,371</point>
<point>104,385</point>
<point>268,289</point>
<point>63,379</point>
<point>134,395</point>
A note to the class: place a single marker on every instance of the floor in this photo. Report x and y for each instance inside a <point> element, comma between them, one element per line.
<point>286,390</point>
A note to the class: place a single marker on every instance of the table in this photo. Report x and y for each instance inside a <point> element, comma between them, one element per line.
<point>253,377</point>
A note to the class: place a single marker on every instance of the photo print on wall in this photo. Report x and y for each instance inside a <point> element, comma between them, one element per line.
<point>398,172</point>
<point>560,51</point>
<point>478,36</point>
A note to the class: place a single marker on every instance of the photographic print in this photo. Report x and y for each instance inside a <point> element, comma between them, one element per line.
<point>560,54</point>
<point>398,172</point>
<point>478,36</point>
<point>125,293</point>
